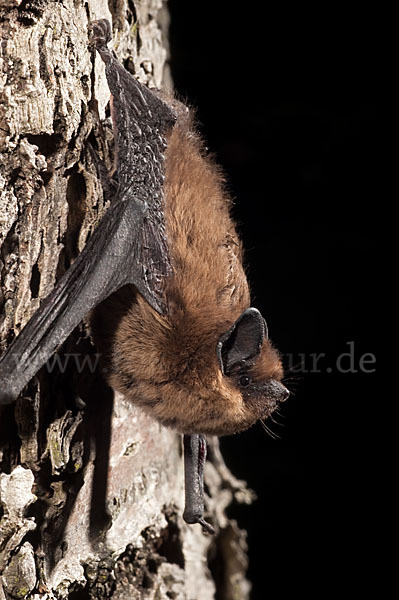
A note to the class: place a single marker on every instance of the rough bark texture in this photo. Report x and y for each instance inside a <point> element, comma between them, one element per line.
<point>91,495</point>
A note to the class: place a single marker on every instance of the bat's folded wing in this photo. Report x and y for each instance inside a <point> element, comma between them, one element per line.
<point>126,248</point>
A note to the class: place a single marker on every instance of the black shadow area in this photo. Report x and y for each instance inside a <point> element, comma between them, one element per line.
<point>287,100</point>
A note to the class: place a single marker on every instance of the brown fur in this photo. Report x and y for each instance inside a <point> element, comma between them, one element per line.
<point>168,365</point>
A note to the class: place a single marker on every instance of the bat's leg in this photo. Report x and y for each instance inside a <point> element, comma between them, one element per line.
<point>194,460</point>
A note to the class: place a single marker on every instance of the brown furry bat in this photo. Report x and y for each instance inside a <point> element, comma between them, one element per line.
<point>168,364</point>
<point>176,331</point>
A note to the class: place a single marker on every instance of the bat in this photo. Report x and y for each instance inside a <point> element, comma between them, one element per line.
<point>163,278</point>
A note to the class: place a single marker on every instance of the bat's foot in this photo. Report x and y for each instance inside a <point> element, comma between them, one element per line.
<point>194,519</point>
<point>100,33</point>
<point>207,527</point>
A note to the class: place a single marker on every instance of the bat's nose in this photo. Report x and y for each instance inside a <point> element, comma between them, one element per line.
<point>284,394</point>
<point>276,391</point>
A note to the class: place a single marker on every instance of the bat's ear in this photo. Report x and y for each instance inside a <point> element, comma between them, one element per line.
<point>240,346</point>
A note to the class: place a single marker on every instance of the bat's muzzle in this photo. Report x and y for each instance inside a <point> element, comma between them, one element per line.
<point>275,391</point>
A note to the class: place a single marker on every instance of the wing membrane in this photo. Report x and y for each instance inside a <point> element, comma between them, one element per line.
<point>128,247</point>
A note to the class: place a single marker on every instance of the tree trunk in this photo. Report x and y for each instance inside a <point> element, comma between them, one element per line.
<point>91,490</point>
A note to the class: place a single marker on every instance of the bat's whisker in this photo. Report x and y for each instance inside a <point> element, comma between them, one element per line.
<point>267,429</point>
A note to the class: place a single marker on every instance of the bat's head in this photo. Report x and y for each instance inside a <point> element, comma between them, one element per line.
<point>194,375</point>
<point>251,370</point>
<point>224,383</point>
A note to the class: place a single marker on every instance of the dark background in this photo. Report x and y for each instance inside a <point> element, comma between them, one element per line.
<point>287,101</point>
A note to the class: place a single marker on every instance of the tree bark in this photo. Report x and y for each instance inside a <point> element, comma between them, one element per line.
<point>91,492</point>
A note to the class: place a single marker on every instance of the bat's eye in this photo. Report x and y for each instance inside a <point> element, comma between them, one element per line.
<point>244,381</point>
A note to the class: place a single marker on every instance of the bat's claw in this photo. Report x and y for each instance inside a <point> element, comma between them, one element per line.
<point>206,527</point>
<point>192,519</point>
<point>100,33</point>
